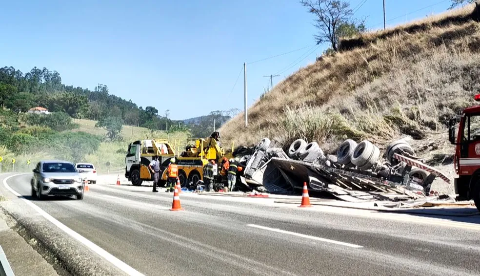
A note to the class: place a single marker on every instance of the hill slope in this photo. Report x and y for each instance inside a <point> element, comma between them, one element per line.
<point>382,85</point>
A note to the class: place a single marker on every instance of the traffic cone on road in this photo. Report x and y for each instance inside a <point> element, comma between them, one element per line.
<point>87,188</point>
<point>305,197</point>
<point>178,186</point>
<point>118,179</point>
<point>176,206</point>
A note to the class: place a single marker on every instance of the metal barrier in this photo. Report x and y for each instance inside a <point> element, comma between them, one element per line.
<point>5,269</point>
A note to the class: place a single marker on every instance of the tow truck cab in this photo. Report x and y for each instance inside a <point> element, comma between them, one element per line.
<point>467,152</point>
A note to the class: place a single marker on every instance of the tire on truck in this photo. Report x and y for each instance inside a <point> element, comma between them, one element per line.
<point>345,152</point>
<point>365,155</point>
<point>135,177</point>
<point>296,147</point>
<point>311,152</point>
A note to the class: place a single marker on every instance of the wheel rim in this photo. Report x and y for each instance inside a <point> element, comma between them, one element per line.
<point>195,179</point>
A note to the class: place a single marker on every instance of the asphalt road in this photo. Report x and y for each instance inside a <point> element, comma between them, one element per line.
<point>218,235</point>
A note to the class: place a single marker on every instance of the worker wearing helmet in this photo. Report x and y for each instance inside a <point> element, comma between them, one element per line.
<point>232,175</point>
<point>172,173</point>
<point>208,175</point>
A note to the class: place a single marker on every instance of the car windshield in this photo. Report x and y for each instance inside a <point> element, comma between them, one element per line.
<point>84,166</point>
<point>58,167</point>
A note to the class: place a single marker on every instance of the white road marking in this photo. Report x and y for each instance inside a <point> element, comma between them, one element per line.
<point>97,249</point>
<point>305,236</point>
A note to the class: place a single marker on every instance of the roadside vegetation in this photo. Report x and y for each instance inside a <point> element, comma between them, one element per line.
<point>379,86</point>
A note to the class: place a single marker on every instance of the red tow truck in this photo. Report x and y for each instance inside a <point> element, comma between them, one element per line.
<point>467,152</point>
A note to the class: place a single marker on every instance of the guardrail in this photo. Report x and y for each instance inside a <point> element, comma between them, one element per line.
<point>5,269</point>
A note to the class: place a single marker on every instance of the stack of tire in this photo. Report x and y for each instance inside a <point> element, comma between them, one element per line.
<point>364,155</point>
<point>307,152</point>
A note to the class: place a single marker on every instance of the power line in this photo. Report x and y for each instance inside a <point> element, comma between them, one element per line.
<point>239,73</point>
<point>300,59</point>
<point>263,59</point>
<point>359,6</point>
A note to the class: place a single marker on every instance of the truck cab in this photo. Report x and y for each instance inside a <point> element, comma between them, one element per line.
<point>464,133</point>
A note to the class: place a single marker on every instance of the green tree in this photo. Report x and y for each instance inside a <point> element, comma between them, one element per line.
<point>113,125</point>
<point>333,20</point>
<point>6,91</point>
<point>20,102</point>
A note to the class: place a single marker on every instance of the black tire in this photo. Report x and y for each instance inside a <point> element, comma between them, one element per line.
<point>476,194</point>
<point>94,182</point>
<point>295,148</point>
<point>345,152</point>
<point>135,178</point>
<point>34,193</point>
<point>39,193</point>
<point>396,147</point>
<point>80,196</point>
<point>182,176</point>
<point>193,178</point>
<point>362,154</point>
<point>372,160</point>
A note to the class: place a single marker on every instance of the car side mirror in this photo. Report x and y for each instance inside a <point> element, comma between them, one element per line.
<point>451,131</point>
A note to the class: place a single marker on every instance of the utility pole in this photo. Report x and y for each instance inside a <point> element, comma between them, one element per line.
<point>213,125</point>
<point>384,16</point>
<point>245,92</point>
<point>271,79</point>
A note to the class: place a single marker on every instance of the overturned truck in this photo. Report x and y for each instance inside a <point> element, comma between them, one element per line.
<point>355,173</point>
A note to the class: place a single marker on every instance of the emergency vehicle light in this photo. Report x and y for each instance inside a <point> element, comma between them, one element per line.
<point>477,97</point>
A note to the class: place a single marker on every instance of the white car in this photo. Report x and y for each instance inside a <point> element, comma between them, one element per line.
<point>87,171</point>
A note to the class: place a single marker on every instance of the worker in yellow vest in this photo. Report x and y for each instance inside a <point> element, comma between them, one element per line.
<point>172,173</point>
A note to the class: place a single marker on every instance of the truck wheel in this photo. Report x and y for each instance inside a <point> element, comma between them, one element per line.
<point>296,147</point>
<point>182,177</point>
<point>193,178</point>
<point>362,154</point>
<point>264,144</point>
<point>476,194</point>
<point>345,151</point>
<point>135,178</point>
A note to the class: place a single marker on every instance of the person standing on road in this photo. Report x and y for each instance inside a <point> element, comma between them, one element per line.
<point>172,173</point>
<point>232,175</point>
<point>208,175</point>
<point>155,169</point>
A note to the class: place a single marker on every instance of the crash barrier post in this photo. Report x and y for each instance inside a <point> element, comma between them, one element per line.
<point>5,269</point>
<point>305,197</point>
<point>176,206</point>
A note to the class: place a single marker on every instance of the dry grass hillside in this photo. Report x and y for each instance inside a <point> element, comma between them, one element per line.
<point>382,85</point>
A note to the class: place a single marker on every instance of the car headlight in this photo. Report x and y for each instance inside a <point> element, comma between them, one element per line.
<point>46,179</point>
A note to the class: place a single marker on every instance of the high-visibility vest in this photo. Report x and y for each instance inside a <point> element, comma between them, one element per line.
<point>172,170</point>
<point>232,169</point>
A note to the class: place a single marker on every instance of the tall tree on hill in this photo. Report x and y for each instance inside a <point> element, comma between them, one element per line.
<point>333,20</point>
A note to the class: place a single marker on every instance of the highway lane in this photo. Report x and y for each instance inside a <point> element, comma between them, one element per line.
<point>218,236</point>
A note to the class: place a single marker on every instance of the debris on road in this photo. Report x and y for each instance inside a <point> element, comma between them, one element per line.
<point>354,174</point>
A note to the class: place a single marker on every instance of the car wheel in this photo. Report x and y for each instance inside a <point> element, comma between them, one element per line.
<point>34,193</point>
<point>79,196</point>
<point>39,192</point>
<point>135,178</point>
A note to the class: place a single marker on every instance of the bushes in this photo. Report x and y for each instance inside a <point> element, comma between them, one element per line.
<point>58,121</point>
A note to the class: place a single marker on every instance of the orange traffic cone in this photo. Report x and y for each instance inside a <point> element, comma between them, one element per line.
<point>178,186</point>
<point>305,197</point>
<point>176,201</point>
<point>118,179</point>
<point>87,188</point>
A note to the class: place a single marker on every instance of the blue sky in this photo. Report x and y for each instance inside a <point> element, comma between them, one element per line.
<point>184,56</point>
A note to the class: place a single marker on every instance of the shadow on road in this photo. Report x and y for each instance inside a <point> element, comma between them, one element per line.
<point>462,214</point>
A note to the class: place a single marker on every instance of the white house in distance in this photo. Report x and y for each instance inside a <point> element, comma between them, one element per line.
<point>38,110</point>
